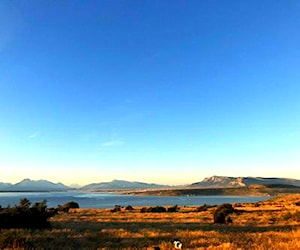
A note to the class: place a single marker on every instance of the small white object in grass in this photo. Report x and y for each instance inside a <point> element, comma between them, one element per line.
<point>177,244</point>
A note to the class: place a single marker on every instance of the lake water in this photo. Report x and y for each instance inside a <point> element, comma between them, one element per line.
<point>109,200</point>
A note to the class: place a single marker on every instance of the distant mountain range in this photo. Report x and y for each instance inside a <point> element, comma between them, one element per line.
<point>209,182</point>
<point>30,185</point>
<point>224,181</point>
<point>44,185</point>
<point>121,184</point>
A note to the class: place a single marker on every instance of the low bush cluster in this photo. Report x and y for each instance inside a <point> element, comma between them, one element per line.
<point>222,212</point>
<point>129,208</point>
<point>159,209</point>
<point>67,206</point>
<point>25,215</point>
<point>117,208</point>
<point>156,209</point>
<point>173,209</point>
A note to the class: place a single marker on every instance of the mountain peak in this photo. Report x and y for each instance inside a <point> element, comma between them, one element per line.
<point>26,180</point>
<point>38,185</point>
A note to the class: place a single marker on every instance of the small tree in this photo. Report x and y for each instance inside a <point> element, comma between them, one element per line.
<point>24,204</point>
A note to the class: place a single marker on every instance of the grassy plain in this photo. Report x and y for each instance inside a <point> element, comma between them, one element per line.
<point>267,225</point>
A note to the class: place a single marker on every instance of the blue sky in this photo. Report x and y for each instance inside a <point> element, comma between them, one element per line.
<point>156,91</point>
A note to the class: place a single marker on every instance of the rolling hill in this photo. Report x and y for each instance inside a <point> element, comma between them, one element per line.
<point>31,185</point>
<point>224,181</point>
<point>121,184</point>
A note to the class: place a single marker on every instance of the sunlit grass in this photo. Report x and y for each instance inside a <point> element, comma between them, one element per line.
<point>267,225</point>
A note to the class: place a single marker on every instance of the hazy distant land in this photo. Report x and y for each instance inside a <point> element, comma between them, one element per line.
<point>214,185</point>
<point>253,190</point>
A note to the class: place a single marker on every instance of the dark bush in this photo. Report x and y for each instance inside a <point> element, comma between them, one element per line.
<point>25,216</point>
<point>228,208</point>
<point>52,211</point>
<point>229,220</point>
<point>222,212</point>
<point>145,209</point>
<point>219,216</point>
<point>157,209</point>
<point>129,208</point>
<point>202,208</point>
<point>67,206</point>
<point>116,209</point>
<point>173,209</point>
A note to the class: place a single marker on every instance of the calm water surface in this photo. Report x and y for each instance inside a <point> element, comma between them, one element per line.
<point>109,200</point>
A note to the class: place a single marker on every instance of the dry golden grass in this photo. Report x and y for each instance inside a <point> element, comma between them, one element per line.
<point>268,225</point>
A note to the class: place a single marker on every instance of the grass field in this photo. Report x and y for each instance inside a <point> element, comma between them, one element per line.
<point>268,225</point>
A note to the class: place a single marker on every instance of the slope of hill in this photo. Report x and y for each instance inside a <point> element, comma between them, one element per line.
<point>220,181</point>
<point>121,184</point>
<point>4,186</point>
<point>272,181</point>
<point>224,181</point>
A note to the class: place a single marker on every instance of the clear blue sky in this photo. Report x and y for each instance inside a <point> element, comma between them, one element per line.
<point>157,91</point>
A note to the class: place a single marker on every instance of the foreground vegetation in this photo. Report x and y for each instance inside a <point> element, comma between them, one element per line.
<point>36,216</point>
<point>269,225</point>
